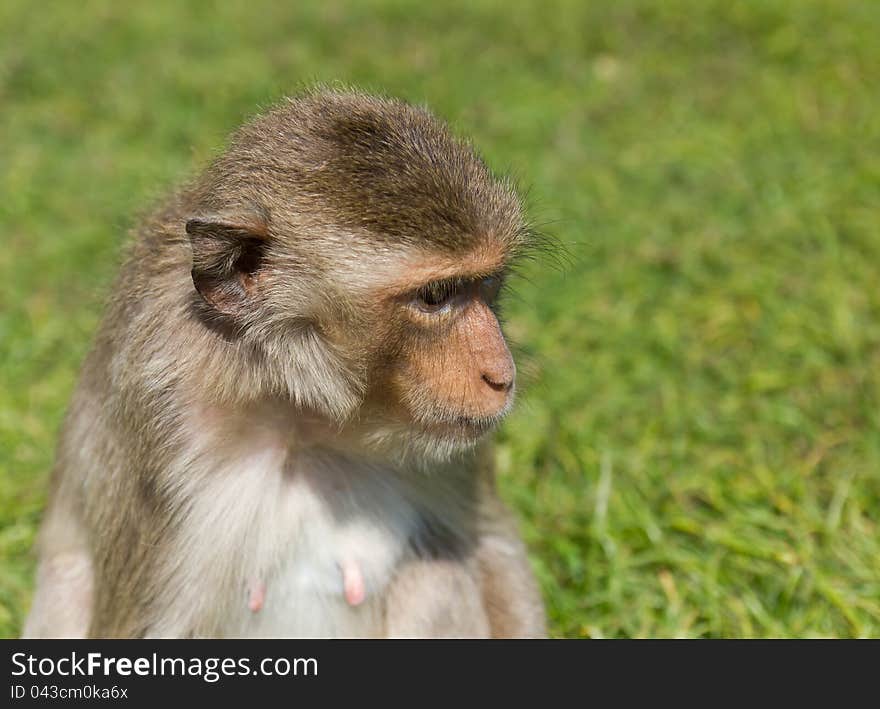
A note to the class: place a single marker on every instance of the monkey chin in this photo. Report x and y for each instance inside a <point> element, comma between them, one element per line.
<point>425,443</point>
<point>466,430</point>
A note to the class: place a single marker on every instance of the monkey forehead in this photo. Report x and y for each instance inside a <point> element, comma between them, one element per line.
<point>402,272</point>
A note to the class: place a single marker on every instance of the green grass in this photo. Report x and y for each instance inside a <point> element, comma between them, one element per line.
<point>700,452</point>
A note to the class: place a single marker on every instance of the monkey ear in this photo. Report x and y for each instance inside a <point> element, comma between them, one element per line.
<point>227,250</point>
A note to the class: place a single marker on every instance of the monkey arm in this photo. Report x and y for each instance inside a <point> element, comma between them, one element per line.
<point>62,604</point>
<point>435,598</point>
<point>509,589</point>
<point>493,595</point>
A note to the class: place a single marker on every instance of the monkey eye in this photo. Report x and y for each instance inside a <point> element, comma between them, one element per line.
<point>489,287</point>
<point>440,296</point>
<point>436,296</point>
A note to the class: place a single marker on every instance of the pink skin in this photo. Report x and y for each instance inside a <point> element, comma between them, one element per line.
<point>353,583</point>
<point>257,596</point>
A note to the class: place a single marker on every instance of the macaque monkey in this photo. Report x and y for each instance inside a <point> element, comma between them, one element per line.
<point>281,428</point>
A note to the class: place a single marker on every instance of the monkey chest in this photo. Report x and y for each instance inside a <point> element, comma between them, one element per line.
<point>321,560</point>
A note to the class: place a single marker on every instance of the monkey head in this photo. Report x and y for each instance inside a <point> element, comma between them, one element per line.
<point>354,250</point>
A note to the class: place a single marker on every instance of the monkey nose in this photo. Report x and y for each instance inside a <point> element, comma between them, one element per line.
<point>498,382</point>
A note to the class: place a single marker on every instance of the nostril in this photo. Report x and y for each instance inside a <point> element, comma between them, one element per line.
<point>497,385</point>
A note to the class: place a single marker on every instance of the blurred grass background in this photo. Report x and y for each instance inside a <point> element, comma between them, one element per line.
<point>700,455</point>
